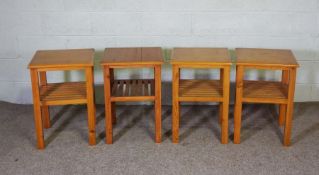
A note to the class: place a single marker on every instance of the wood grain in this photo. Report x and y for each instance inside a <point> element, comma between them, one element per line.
<point>290,106</point>
<point>45,108</point>
<point>90,104</point>
<point>46,94</point>
<point>175,104</point>
<point>225,103</point>
<point>265,57</point>
<point>108,106</point>
<point>238,103</point>
<point>281,93</point>
<point>283,107</point>
<point>62,58</point>
<point>205,90</point>
<point>132,89</point>
<point>208,56</point>
<point>158,104</point>
<point>131,56</point>
<point>63,93</point>
<point>201,90</point>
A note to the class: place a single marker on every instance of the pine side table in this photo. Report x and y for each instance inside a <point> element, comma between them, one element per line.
<point>271,92</point>
<point>46,94</point>
<point>116,90</point>
<point>201,90</point>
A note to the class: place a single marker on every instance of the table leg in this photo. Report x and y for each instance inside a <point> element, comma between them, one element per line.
<point>175,112</point>
<point>37,108</point>
<point>220,115</point>
<point>282,107</point>
<point>158,104</point>
<point>108,106</point>
<point>238,103</point>
<point>225,109</point>
<point>113,109</point>
<point>90,104</point>
<point>44,108</point>
<point>113,103</point>
<point>221,77</point>
<point>290,104</point>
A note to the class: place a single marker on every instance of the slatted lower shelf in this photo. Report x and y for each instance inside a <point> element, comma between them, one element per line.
<point>200,90</point>
<point>63,93</point>
<point>264,92</point>
<point>133,90</point>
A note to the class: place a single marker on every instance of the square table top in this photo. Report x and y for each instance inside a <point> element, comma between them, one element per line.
<point>62,58</point>
<point>194,56</point>
<point>265,57</point>
<point>132,56</point>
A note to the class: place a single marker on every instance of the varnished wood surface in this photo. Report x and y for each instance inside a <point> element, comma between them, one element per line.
<point>130,56</point>
<point>281,93</point>
<point>132,89</point>
<point>89,76</point>
<point>283,107</point>
<point>44,108</point>
<point>46,94</point>
<point>211,90</point>
<point>290,106</point>
<point>175,104</point>
<point>62,58</point>
<point>200,90</point>
<point>212,56</point>
<point>263,91</point>
<point>265,57</point>
<point>63,93</point>
<point>158,103</point>
<point>37,109</point>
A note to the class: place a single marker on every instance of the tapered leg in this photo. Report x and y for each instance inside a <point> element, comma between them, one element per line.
<point>44,108</point>
<point>158,105</point>
<point>282,107</point>
<point>90,104</point>
<point>175,112</point>
<point>224,122</point>
<point>238,103</point>
<point>290,106</point>
<point>37,108</point>
<point>108,106</point>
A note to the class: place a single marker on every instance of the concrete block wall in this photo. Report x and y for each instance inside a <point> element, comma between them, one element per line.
<point>29,25</point>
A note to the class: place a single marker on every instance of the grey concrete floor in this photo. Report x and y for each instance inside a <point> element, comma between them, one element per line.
<point>134,151</point>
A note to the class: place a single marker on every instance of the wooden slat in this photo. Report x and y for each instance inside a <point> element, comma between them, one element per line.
<point>146,88</point>
<point>200,99</point>
<point>114,86</point>
<point>264,92</point>
<point>63,93</point>
<point>200,89</point>
<point>132,88</point>
<point>140,87</point>
<point>120,90</point>
<point>127,88</point>
<point>132,98</point>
